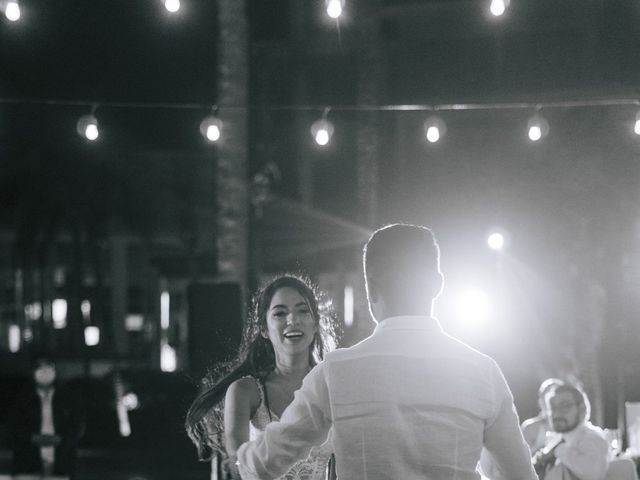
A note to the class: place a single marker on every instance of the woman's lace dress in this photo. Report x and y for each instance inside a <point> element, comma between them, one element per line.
<point>313,468</point>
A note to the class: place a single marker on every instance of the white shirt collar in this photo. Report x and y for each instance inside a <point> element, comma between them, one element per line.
<point>409,322</point>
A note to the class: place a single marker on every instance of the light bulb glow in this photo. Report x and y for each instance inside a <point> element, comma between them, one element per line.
<point>12,11</point>
<point>213,133</point>
<point>434,129</point>
<point>91,335</point>
<point>168,358</point>
<point>322,137</point>
<point>433,134</point>
<point>636,127</point>
<point>497,7</point>
<point>14,338</point>
<point>172,5</point>
<point>91,132</point>
<point>334,8</point>
<point>87,127</point>
<point>211,128</point>
<point>322,131</point>
<point>496,241</point>
<point>473,306</point>
<point>59,313</point>
<point>535,133</point>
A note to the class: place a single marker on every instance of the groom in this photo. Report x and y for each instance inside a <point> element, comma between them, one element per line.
<point>410,401</point>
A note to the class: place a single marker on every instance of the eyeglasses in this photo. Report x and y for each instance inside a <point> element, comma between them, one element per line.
<point>562,407</point>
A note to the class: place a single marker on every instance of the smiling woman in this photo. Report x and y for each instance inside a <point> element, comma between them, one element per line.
<point>291,328</point>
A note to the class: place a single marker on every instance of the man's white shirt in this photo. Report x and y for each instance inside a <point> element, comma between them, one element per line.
<point>408,402</point>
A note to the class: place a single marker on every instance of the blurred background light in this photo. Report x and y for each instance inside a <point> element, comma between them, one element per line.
<point>211,128</point>
<point>59,313</point>
<point>91,335</point>
<point>164,310</point>
<point>322,131</point>
<point>334,8</point>
<point>538,127</point>
<point>87,127</point>
<point>498,7</point>
<point>12,11</point>
<point>473,307</point>
<point>172,5</point>
<point>130,401</point>
<point>168,359</point>
<point>496,241</point>
<point>636,127</point>
<point>14,338</point>
<point>434,129</point>
<point>348,305</point>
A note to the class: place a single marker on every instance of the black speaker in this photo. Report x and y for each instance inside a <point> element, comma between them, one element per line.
<point>215,324</point>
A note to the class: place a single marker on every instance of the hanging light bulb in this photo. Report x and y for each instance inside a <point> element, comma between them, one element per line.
<point>498,7</point>
<point>636,127</point>
<point>172,5</point>
<point>87,127</point>
<point>334,8</point>
<point>322,131</point>
<point>434,129</point>
<point>211,128</point>
<point>12,11</point>
<point>538,127</point>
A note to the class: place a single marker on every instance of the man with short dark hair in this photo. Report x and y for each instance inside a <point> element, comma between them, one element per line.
<point>409,402</point>
<point>579,449</point>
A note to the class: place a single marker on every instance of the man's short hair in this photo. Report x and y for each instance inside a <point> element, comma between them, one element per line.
<point>404,260</point>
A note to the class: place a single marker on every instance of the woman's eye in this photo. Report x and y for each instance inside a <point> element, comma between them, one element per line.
<point>280,314</point>
<point>304,311</point>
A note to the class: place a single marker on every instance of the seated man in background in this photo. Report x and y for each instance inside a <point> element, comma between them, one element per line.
<point>535,429</point>
<point>579,450</point>
<point>47,422</point>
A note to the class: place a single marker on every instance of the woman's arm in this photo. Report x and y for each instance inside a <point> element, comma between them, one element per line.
<point>241,402</point>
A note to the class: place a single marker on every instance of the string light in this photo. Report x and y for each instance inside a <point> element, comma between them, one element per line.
<point>334,8</point>
<point>12,11</point>
<point>87,127</point>
<point>172,5</point>
<point>211,128</point>
<point>322,130</point>
<point>434,128</point>
<point>538,127</point>
<point>498,7</point>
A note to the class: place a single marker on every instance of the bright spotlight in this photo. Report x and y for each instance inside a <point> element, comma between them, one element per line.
<point>87,127</point>
<point>498,7</point>
<point>12,11</point>
<point>473,306</point>
<point>59,313</point>
<point>322,131</point>
<point>91,335</point>
<point>211,128</point>
<point>496,241</point>
<point>334,8</point>
<point>538,127</point>
<point>636,128</point>
<point>172,5</point>
<point>434,129</point>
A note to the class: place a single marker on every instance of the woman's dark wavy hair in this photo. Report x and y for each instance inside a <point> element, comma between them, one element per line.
<point>204,422</point>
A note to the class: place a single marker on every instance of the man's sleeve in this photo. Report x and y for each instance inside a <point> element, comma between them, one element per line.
<point>509,453</point>
<point>304,424</point>
<point>588,459</point>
